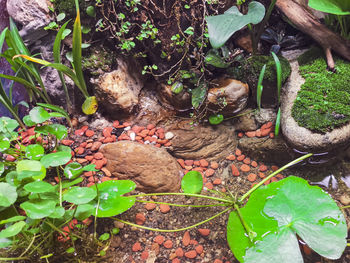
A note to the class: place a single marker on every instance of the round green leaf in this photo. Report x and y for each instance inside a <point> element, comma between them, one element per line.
<point>58,130</point>
<point>12,230</point>
<point>4,143</point>
<point>8,194</point>
<point>38,208</point>
<point>79,195</point>
<point>336,7</point>
<point>177,87</point>
<point>60,17</point>
<point>90,11</point>
<point>39,115</point>
<point>28,121</point>
<point>84,211</point>
<point>90,105</point>
<point>30,168</point>
<point>39,187</point>
<point>7,124</point>
<point>111,201</point>
<point>34,151</point>
<point>104,237</point>
<point>55,159</point>
<point>73,170</point>
<point>58,213</point>
<point>216,119</point>
<point>192,182</point>
<point>11,178</point>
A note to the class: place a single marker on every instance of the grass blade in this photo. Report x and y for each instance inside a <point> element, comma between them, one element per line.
<point>278,122</point>
<point>279,75</point>
<point>260,86</point>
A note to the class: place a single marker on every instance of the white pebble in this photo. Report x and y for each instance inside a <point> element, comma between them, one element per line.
<point>132,136</point>
<point>127,128</point>
<point>169,135</point>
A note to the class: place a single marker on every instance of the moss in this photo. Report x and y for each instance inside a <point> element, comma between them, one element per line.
<point>323,102</point>
<point>68,6</point>
<point>98,61</point>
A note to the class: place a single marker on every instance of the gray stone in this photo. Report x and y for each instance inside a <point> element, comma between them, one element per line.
<point>265,115</point>
<point>227,96</point>
<point>299,137</point>
<point>118,91</point>
<point>33,15</point>
<point>179,102</point>
<point>152,169</point>
<point>246,122</point>
<point>202,142</point>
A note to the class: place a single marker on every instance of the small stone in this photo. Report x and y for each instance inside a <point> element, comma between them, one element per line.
<point>209,172</point>
<point>188,168</point>
<point>197,163</point>
<point>231,157</point>
<point>179,252</point>
<point>258,133</point>
<point>209,185</point>
<point>144,255</point>
<point>132,136</point>
<point>274,168</point>
<point>155,248</point>
<point>246,161</point>
<point>79,132</point>
<point>99,164</point>
<point>265,132</point>
<point>274,179</point>
<point>240,134</point>
<point>218,261</point>
<point>262,175</point>
<point>189,162</point>
<point>271,135</point>
<point>263,168</point>
<point>254,164</point>
<point>164,208</point>
<point>238,152</point>
<point>89,133</point>
<point>98,156</point>
<point>105,178</point>
<point>159,239</point>
<point>175,260</point>
<point>150,126</point>
<point>235,171</point>
<point>169,135</point>
<point>191,254</point>
<point>204,231</point>
<point>106,172</point>
<point>136,247</point>
<point>241,157</point>
<point>107,132</point>
<point>186,239</point>
<point>140,219</point>
<point>217,181</point>
<point>214,165</point>
<point>181,162</point>
<point>150,206</point>
<point>79,150</point>
<point>67,142</point>
<point>203,163</point>
<point>199,249</point>
<point>193,242</point>
<point>168,244</point>
<point>251,177</point>
<point>245,168</point>
<point>250,134</point>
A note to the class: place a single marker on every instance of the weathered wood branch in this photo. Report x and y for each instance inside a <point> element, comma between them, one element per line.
<point>310,25</point>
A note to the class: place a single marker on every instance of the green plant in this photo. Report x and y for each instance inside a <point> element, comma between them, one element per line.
<point>279,87</point>
<point>90,104</point>
<point>260,87</point>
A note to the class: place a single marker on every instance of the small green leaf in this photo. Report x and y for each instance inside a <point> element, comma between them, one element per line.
<point>28,121</point>
<point>115,231</point>
<point>8,194</point>
<point>73,170</point>
<point>7,124</point>
<point>12,219</point>
<point>213,58</point>
<point>278,122</point>
<point>60,17</point>
<point>34,152</point>
<point>55,159</point>
<point>177,87</point>
<point>90,11</point>
<point>38,208</point>
<point>12,230</point>
<point>4,143</point>
<point>198,95</point>
<point>104,237</point>
<point>90,105</point>
<point>2,168</point>
<point>70,250</point>
<point>192,182</point>
<point>32,168</point>
<point>71,183</point>
<point>39,115</point>
<point>79,195</point>
<point>216,119</point>
<point>260,86</point>
<point>39,187</point>
<point>65,33</point>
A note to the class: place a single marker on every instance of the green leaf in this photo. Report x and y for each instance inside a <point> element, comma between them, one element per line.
<point>58,213</point>
<point>60,17</point>
<point>279,75</point>
<point>73,170</point>
<point>90,105</point>
<point>12,230</point>
<point>216,119</point>
<point>4,242</point>
<point>28,121</point>
<point>84,211</point>
<point>4,143</point>
<point>71,183</point>
<point>58,130</point>
<point>8,194</point>
<point>278,122</point>
<point>79,195</point>
<point>39,115</point>
<point>2,168</point>
<point>34,152</point>
<point>70,250</point>
<point>177,87</point>
<point>7,124</point>
<point>33,169</point>
<point>192,182</point>
<point>104,237</point>
<point>222,27</point>
<point>12,219</point>
<point>260,86</point>
<point>90,11</point>
<point>38,208</point>
<point>111,200</point>
<point>213,58</point>
<point>198,95</point>
<point>336,7</point>
<point>39,187</point>
<point>55,159</point>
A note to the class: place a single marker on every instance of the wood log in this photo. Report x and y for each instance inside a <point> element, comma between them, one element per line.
<point>306,22</point>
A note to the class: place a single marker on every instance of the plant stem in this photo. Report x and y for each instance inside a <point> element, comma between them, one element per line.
<point>251,233</point>
<point>174,230</point>
<point>273,174</point>
<point>184,194</point>
<point>60,183</point>
<point>344,207</point>
<point>171,204</point>
<point>30,245</point>
<point>8,259</point>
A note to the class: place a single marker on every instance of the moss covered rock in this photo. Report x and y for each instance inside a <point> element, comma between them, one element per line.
<point>323,102</point>
<point>98,61</point>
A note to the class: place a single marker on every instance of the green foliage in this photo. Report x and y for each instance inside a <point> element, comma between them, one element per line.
<point>198,95</point>
<point>222,27</point>
<point>260,86</point>
<point>280,211</point>
<point>336,7</point>
<point>322,103</point>
<point>216,119</point>
<point>192,182</point>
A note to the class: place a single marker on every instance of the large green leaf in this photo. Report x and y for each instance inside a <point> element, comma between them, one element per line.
<point>79,195</point>
<point>55,159</point>
<point>8,194</point>
<point>12,219</point>
<point>39,115</point>
<point>12,230</point>
<point>7,124</point>
<point>39,187</point>
<point>111,200</point>
<point>84,211</point>
<point>30,168</point>
<point>58,130</point>
<point>58,213</point>
<point>222,27</point>
<point>38,208</point>
<point>192,182</point>
<point>34,152</point>
<point>336,7</point>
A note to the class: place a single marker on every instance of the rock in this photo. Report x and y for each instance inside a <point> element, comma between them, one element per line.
<point>119,90</point>
<point>266,149</point>
<point>265,115</point>
<point>228,96</point>
<point>212,143</point>
<point>33,15</point>
<point>179,102</point>
<point>299,137</point>
<point>152,169</point>
<point>344,199</point>
<point>246,122</point>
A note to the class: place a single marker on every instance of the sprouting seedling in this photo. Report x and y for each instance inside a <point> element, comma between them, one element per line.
<point>260,86</point>
<point>279,87</point>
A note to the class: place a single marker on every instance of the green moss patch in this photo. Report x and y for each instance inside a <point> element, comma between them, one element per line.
<point>323,102</point>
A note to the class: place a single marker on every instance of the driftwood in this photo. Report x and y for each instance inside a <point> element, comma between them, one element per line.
<point>310,25</point>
